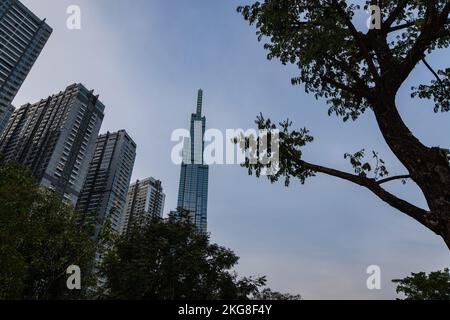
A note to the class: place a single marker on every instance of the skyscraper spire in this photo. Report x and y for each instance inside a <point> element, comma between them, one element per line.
<point>199,101</point>
<point>193,187</point>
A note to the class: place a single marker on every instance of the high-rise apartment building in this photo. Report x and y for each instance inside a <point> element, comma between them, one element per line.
<point>193,187</point>
<point>145,200</point>
<point>22,38</point>
<point>5,116</point>
<point>55,138</point>
<point>106,187</point>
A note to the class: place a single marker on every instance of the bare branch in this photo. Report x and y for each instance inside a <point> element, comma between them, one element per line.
<point>406,176</point>
<point>431,69</point>
<point>411,210</point>
<point>401,26</point>
<point>359,180</point>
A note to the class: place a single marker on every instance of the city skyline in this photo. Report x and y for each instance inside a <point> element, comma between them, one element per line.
<point>332,252</point>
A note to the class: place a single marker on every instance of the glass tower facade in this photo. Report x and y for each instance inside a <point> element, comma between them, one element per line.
<point>106,186</point>
<point>193,187</point>
<point>22,38</point>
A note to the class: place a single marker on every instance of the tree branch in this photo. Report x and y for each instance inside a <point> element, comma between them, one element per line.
<point>411,210</point>
<point>431,69</point>
<point>359,180</point>
<point>357,91</point>
<point>406,176</point>
<point>351,73</point>
<point>401,26</point>
<point>446,11</point>
<point>433,29</point>
<point>431,8</point>
<point>358,38</point>
<point>395,14</point>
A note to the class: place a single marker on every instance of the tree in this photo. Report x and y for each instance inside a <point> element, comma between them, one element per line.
<point>268,294</point>
<point>17,193</point>
<point>356,71</point>
<point>39,239</point>
<point>168,259</point>
<point>422,286</point>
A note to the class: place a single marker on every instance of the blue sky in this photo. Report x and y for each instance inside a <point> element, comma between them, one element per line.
<point>147,58</point>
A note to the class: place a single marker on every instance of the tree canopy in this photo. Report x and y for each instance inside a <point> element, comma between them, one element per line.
<point>39,239</point>
<point>356,69</point>
<point>162,259</point>
<point>423,286</point>
<point>168,259</point>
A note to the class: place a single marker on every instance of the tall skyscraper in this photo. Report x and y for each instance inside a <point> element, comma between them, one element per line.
<point>145,200</point>
<point>55,138</point>
<point>5,116</point>
<point>22,38</point>
<point>193,188</point>
<point>106,187</point>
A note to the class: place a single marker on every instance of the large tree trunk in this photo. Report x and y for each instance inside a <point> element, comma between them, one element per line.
<point>428,167</point>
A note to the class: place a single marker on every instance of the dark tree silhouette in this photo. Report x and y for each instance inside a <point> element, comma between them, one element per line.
<point>168,259</point>
<point>357,70</point>
<point>39,239</point>
<point>422,286</point>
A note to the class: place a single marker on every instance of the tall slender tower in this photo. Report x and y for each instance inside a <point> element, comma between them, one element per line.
<point>193,188</point>
<point>22,38</point>
<point>55,138</point>
<point>106,186</point>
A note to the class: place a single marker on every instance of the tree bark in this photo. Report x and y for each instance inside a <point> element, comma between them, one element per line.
<point>428,167</point>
